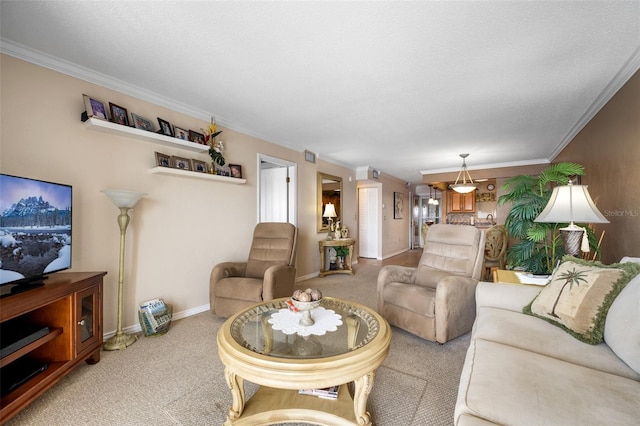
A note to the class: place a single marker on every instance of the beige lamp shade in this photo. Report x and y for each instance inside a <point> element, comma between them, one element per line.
<point>571,203</point>
<point>329,210</point>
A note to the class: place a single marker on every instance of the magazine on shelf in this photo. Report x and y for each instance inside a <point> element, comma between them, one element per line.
<point>328,393</point>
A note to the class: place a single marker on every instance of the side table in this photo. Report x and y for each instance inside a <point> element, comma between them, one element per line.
<point>510,277</point>
<point>341,242</point>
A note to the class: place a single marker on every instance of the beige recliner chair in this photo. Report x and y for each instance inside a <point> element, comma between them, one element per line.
<point>436,300</point>
<point>268,274</point>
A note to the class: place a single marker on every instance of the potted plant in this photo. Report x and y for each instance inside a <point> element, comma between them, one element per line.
<point>539,245</point>
<point>341,252</point>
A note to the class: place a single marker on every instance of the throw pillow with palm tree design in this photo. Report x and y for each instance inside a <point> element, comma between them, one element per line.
<point>579,294</point>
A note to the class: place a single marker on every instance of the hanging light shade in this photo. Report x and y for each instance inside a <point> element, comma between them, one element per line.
<point>431,200</point>
<point>464,186</point>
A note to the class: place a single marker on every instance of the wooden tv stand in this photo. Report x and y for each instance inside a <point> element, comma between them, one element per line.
<point>70,305</point>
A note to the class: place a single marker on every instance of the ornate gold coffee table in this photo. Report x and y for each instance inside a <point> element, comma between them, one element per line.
<point>251,349</point>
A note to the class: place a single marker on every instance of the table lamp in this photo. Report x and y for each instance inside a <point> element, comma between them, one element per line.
<point>571,203</point>
<point>330,212</point>
<point>124,200</point>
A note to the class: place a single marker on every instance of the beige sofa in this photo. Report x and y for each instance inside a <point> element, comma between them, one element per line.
<point>521,370</point>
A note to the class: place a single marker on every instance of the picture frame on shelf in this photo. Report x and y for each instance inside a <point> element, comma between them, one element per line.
<point>180,133</point>
<point>95,108</point>
<point>196,137</point>
<point>236,170</point>
<point>165,127</point>
<point>181,163</point>
<point>163,160</point>
<point>141,122</point>
<point>199,166</point>
<point>119,114</point>
<point>398,205</point>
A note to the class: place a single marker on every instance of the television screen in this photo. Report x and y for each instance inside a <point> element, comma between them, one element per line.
<point>35,228</point>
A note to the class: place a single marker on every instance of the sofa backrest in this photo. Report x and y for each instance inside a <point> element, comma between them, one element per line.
<point>622,327</point>
<point>450,250</point>
<point>274,243</point>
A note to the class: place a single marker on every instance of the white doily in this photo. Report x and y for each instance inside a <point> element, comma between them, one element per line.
<point>289,322</point>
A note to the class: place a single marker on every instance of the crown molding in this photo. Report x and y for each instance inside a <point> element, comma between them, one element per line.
<point>620,79</point>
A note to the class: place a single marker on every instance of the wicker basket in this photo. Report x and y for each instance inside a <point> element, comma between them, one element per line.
<point>164,319</point>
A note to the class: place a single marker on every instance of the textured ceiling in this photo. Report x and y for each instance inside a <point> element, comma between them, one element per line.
<point>402,87</point>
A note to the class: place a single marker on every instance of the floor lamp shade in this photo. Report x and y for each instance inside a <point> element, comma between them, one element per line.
<point>123,198</point>
<point>571,203</point>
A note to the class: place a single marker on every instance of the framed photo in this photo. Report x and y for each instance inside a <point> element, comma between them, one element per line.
<point>196,137</point>
<point>398,205</point>
<point>95,108</point>
<point>165,127</point>
<point>236,170</point>
<point>163,160</point>
<point>141,122</point>
<point>181,163</point>
<point>180,133</point>
<point>199,166</point>
<point>118,114</point>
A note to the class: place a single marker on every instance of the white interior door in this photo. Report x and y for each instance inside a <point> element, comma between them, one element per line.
<point>369,215</point>
<point>277,190</point>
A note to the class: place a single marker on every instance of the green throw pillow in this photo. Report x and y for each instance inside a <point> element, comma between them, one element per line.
<point>579,294</point>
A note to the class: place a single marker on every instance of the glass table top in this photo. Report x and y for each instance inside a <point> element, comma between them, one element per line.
<point>252,330</point>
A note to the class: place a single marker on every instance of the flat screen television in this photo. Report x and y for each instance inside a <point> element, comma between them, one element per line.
<point>35,231</point>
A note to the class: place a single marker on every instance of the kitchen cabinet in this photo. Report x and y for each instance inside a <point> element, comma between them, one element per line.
<point>461,203</point>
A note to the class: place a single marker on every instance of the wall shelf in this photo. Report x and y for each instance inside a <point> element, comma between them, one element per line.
<point>196,175</point>
<point>131,132</point>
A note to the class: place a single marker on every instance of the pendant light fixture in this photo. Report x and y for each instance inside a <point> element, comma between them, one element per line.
<point>464,187</point>
<point>432,200</point>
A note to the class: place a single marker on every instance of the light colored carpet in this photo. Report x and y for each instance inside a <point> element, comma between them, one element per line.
<point>177,379</point>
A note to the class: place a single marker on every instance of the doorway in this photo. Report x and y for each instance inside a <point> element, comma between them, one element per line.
<point>369,222</point>
<point>276,190</point>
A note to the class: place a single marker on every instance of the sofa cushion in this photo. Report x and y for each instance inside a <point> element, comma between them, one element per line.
<point>579,295</point>
<point>507,385</point>
<point>535,335</point>
<point>622,329</point>
<point>249,289</point>
<point>418,299</point>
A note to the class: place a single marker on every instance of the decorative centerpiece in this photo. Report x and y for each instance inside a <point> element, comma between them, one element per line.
<point>305,301</point>
<point>216,148</point>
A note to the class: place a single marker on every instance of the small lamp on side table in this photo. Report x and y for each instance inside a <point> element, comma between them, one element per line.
<point>330,212</point>
<point>124,200</point>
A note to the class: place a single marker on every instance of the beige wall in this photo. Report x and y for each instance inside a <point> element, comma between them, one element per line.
<point>609,149</point>
<point>395,232</point>
<point>182,228</point>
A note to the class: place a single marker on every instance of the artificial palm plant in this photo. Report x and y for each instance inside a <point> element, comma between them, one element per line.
<point>540,245</point>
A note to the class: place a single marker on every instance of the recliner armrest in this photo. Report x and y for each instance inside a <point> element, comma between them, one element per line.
<point>393,273</point>
<point>228,269</point>
<point>455,306</point>
<point>396,273</point>
<point>278,281</point>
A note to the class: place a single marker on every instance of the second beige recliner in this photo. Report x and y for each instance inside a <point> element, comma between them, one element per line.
<point>269,272</point>
<point>436,300</point>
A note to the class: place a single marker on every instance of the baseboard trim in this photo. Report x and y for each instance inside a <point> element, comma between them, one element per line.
<point>395,254</point>
<point>132,329</point>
